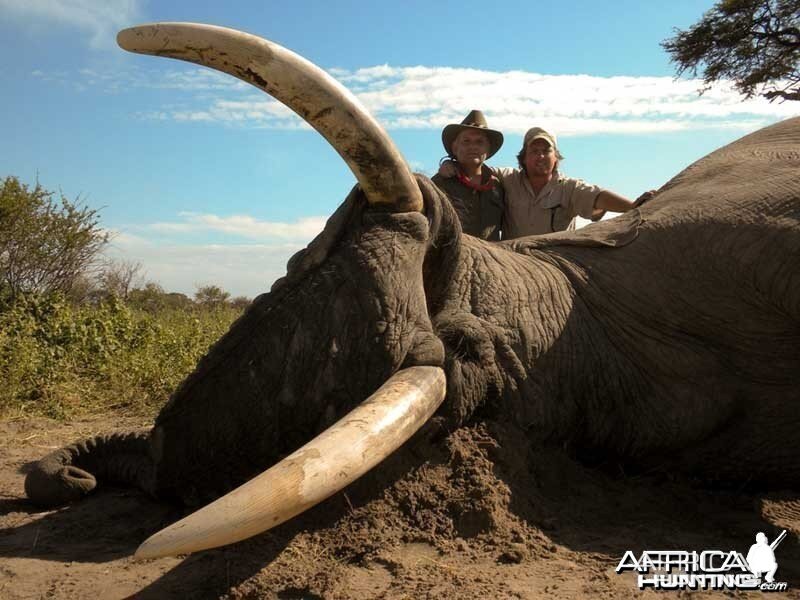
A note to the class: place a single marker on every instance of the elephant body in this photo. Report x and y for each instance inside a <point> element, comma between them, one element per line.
<point>669,334</point>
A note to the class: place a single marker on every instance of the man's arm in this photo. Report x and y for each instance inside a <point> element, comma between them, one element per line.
<point>448,169</point>
<point>607,200</point>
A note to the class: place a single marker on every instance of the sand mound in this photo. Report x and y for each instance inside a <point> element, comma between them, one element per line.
<point>473,514</point>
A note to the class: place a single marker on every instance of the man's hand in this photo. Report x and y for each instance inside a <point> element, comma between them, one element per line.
<point>447,169</point>
<point>648,195</point>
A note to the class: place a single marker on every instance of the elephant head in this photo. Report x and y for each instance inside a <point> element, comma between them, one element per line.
<point>349,318</point>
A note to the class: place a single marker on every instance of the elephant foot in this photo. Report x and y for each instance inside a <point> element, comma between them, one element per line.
<point>479,361</point>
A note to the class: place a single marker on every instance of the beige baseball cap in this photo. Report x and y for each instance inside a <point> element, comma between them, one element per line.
<point>537,133</point>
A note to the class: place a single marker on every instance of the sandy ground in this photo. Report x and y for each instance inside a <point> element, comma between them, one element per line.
<point>477,514</point>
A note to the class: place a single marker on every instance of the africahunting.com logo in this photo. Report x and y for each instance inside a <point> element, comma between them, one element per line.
<point>709,569</point>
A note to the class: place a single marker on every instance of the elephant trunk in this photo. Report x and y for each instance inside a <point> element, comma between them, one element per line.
<point>72,472</point>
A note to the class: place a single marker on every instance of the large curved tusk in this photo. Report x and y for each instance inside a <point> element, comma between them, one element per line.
<point>302,86</point>
<point>335,458</point>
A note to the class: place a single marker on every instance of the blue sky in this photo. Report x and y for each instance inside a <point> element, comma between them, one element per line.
<point>204,179</point>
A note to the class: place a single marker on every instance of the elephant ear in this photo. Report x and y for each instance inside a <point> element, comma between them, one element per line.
<point>753,177</point>
<point>613,233</point>
<point>317,251</point>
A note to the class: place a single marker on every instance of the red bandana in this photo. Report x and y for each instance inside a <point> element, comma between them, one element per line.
<point>481,187</point>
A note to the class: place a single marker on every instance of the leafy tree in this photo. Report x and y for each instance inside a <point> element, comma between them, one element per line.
<point>755,43</point>
<point>150,298</point>
<point>84,291</point>
<point>240,302</point>
<point>211,296</point>
<point>119,277</point>
<point>46,245</point>
<point>178,300</point>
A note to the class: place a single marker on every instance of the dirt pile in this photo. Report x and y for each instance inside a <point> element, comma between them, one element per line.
<point>400,540</point>
<point>474,514</point>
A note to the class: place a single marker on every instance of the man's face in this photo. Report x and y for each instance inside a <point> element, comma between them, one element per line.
<point>471,147</point>
<point>540,158</point>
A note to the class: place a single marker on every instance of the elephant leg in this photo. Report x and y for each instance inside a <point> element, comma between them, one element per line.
<point>479,362</point>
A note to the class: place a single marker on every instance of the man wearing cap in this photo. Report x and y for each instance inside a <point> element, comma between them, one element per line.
<point>541,200</point>
<point>474,190</point>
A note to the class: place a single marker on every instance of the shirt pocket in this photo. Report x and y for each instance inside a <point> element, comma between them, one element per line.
<point>560,218</point>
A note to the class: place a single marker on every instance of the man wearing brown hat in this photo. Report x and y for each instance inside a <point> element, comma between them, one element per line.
<point>541,200</point>
<point>475,192</point>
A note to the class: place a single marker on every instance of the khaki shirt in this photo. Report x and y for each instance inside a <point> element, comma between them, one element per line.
<point>553,209</point>
<point>480,213</point>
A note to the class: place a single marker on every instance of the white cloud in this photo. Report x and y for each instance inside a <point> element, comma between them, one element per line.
<point>259,112</point>
<point>430,97</point>
<point>199,81</point>
<point>101,20</point>
<point>189,79</point>
<point>195,78</point>
<point>242,270</point>
<point>418,166</point>
<point>246,269</point>
<point>243,226</point>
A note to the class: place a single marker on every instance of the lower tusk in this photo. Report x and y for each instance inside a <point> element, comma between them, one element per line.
<point>331,461</point>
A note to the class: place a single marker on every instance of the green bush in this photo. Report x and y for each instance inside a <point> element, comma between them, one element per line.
<point>46,246</point>
<point>59,359</point>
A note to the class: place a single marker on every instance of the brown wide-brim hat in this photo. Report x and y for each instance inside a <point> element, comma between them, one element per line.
<point>475,120</point>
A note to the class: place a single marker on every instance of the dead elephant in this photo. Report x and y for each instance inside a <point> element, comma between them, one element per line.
<point>669,333</point>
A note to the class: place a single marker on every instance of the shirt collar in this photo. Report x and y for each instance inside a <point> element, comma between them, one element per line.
<point>488,181</point>
<point>546,198</point>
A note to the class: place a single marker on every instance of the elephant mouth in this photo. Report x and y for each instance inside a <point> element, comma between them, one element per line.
<point>331,461</point>
<point>390,416</point>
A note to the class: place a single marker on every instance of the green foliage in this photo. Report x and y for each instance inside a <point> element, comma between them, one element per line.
<point>240,302</point>
<point>755,43</point>
<point>117,278</point>
<point>46,246</point>
<point>153,299</point>
<point>77,337</point>
<point>211,295</point>
<point>59,359</point>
